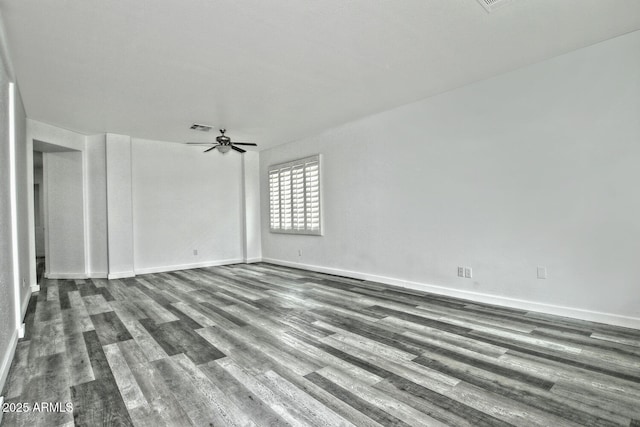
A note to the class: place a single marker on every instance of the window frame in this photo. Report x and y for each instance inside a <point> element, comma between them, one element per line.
<point>291,173</point>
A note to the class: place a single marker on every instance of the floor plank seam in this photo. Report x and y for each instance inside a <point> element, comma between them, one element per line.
<point>259,344</point>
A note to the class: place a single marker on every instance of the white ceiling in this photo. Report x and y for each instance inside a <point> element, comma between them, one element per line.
<point>278,70</point>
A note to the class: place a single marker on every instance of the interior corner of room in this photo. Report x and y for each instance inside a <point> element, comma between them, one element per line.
<point>519,189</point>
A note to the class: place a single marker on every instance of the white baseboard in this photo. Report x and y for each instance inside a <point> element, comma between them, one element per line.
<point>188,266</point>
<point>24,305</point>
<point>7,358</point>
<point>67,276</point>
<point>576,313</point>
<point>252,260</point>
<point>13,342</point>
<point>98,275</point>
<point>121,275</point>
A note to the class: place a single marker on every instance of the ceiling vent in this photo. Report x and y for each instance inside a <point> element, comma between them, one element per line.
<point>201,128</point>
<point>491,5</point>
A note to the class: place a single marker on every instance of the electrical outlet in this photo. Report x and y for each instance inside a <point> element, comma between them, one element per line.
<point>299,252</point>
<point>460,271</point>
<point>195,252</point>
<point>468,273</point>
<point>542,272</point>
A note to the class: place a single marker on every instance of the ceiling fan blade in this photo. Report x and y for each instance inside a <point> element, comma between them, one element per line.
<point>245,143</point>
<point>239,149</point>
<point>209,149</point>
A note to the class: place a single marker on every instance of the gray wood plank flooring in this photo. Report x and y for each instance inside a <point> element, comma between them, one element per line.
<point>266,345</point>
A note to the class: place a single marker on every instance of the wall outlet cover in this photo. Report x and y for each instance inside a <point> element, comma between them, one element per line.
<point>542,272</point>
<point>460,271</point>
<point>468,273</point>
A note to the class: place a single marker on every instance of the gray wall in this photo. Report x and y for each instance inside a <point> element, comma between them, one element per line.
<point>537,167</point>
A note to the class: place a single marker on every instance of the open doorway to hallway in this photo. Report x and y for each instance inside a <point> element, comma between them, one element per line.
<point>58,211</point>
<point>38,211</point>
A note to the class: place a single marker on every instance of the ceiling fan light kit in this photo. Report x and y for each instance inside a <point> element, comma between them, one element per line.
<point>223,143</point>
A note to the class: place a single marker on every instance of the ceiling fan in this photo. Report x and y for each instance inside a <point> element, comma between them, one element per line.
<point>224,144</point>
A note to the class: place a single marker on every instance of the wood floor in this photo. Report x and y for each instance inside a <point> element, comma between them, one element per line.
<point>266,345</point>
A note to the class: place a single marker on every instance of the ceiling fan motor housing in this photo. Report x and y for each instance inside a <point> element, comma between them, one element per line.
<point>224,144</point>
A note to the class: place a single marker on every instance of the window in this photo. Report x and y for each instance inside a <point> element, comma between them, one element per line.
<point>294,196</point>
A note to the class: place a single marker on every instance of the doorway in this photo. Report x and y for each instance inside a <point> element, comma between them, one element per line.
<point>58,211</point>
<point>38,214</point>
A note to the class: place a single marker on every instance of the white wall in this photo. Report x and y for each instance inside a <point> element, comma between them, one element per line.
<point>54,138</point>
<point>7,286</point>
<point>184,200</point>
<point>97,205</point>
<point>50,134</point>
<point>65,204</point>
<point>92,150</point>
<point>119,206</point>
<point>252,231</point>
<point>131,224</point>
<point>537,167</point>
<point>24,190</point>
<point>14,227</point>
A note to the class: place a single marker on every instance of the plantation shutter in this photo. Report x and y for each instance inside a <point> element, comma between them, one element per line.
<point>274,199</point>
<point>285,198</point>
<point>297,201</point>
<point>294,196</point>
<point>312,195</point>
